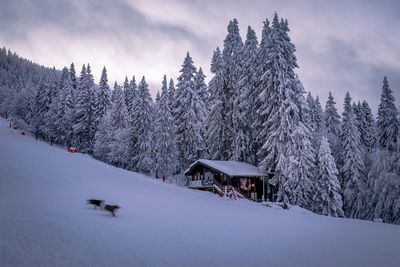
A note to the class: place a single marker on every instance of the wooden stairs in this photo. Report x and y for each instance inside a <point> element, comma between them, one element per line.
<point>228,191</point>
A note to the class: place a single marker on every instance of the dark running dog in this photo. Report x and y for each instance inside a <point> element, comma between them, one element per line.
<point>111,208</point>
<point>95,202</point>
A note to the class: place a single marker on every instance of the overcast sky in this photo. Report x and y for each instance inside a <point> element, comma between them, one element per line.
<point>341,45</point>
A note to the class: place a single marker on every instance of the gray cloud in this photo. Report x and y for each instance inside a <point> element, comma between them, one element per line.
<point>81,17</point>
<point>339,70</point>
<point>341,45</point>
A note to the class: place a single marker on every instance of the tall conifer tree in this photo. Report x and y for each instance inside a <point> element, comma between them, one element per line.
<point>190,113</point>
<point>353,177</point>
<point>388,119</point>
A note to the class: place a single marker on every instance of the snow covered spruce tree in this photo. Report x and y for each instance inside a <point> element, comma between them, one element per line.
<point>215,120</point>
<point>295,179</point>
<point>311,109</point>
<point>41,106</point>
<point>44,107</point>
<point>332,127</point>
<point>103,139</point>
<point>74,83</point>
<point>387,120</point>
<point>231,56</point>
<point>367,126</point>
<point>384,175</point>
<point>270,70</point>
<point>102,98</point>
<point>64,110</point>
<point>327,198</point>
<point>127,93</point>
<point>315,119</point>
<point>119,123</point>
<point>49,127</point>
<point>141,151</point>
<point>353,176</point>
<point>166,154</point>
<point>156,100</point>
<point>190,112</point>
<point>21,107</point>
<point>104,134</point>
<point>200,85</point>
<point>244,148</point>
<point>119,114</point>
<point>262,66</point>
<point>318,117</point>
<point>383,187</point>
<point>200,88</point>
<point>357,114</point>
<point>367,129</point>
<point>287,151</point>
<point>83,113</point>
<point>130,94</point>
<point>125,87</point>
<point>384,178</point>
<point>171,96</point>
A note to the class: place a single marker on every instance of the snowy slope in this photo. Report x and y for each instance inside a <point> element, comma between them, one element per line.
<point>44,220</point>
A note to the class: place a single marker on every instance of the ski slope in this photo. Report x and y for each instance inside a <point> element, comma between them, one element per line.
<point>44,220</point>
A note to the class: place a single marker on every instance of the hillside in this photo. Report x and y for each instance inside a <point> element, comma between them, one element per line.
<point>44,220</point>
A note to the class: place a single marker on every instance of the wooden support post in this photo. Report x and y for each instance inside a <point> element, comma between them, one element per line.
<point>254,190</point>
<point>263,194</point>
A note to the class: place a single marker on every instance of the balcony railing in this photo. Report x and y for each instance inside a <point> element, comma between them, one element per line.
<point>201,183</point>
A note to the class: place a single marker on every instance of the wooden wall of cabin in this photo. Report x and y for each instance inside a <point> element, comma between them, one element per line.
<point>201,170</point>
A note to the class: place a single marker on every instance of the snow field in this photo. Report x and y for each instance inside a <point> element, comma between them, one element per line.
<point>44,220</point>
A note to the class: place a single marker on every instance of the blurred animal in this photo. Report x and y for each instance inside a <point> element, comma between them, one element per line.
<point>95,202</point>
<point>111,208</point>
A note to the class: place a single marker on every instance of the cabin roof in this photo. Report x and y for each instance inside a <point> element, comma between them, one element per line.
<point>230,168</point>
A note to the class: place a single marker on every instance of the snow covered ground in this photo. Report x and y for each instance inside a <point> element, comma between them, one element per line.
<point>44,220</point>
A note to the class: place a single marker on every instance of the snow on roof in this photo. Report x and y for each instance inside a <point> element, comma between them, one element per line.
<point>231,168</point>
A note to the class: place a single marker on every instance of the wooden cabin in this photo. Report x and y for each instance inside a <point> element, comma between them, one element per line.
<point>245,178</point>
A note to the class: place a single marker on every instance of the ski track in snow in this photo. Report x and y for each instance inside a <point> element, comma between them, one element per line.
<point>44,220</point>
